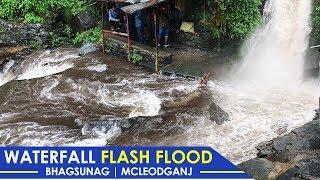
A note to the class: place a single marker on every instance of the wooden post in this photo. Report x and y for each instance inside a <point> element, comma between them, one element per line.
<point>102,27</point>
<point>156,37</point>
<point>128,32</point>
<point>318,114</point>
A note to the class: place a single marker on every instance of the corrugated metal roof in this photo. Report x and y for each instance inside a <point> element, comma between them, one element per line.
<point>142,5</point>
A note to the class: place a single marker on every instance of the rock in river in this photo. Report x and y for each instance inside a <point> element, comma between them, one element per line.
<point>217,114</point>
<point>297,154</point>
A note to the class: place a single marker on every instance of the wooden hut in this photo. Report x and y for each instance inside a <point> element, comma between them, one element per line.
<point>129,10</point>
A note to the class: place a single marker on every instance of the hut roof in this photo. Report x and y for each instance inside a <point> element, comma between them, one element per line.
<point>141,5</point>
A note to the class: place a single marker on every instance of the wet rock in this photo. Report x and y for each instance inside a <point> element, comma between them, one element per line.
<point>258,167</point>
<point>298,152</point>
<point>12,34</point>
<point>8,53</point>
<point>99,127</point>
<point>308,168</point>
<point>217,114</point>
<point>285,148</point>
<point>202,41</point>
<point>88,48</point>
<point>85,20</point>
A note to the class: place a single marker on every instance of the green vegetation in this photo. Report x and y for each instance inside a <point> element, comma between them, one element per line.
<point>92,35</point>
<point>135,56</point>
<point>109,44</point>
<point>226,20</point>
<point>63,38</point>
<point>315,34</point>
<point>47,12</point>
<point>34,44</point>
<point>231,19</point>
<point>38,11</point>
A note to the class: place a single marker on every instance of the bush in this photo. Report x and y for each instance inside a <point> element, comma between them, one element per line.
<point>315,34</point>
<point>231,19</point>
<point>37,11</point>
<point>92,35</point>
<point>62,38</point>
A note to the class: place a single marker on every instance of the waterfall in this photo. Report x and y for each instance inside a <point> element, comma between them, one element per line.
<point>275,54</point>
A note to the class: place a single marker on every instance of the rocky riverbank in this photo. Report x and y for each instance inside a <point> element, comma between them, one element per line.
<point>13,34</point>
<point>292,156</point>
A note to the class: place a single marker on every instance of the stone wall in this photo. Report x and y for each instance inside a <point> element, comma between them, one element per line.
<point>12,34</point>
<point>202,41</point>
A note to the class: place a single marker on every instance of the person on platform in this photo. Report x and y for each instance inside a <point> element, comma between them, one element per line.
<point>114,18</point>
<point>139,19</point>
<point>164,26</point>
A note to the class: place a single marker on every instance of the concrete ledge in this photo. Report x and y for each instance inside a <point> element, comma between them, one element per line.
<point>118,46</point>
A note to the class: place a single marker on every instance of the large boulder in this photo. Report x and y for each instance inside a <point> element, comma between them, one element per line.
<point>286,148</point>
<point>308,168</point>
<point>217,114</point>
<point>88,48</point>
<point>297,153</point>
<point>260,168</point>
<point>12,33</point>
<point>85,20</point>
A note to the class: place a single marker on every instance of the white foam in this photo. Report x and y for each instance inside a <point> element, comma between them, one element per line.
<point>6,76</point>
<point>98,135</point>
<point>146,103</point>
<point>33,134</point>
<point>256,116</point>
<point>275,54</point>
<point>46,66</point>
<point>97,67</point>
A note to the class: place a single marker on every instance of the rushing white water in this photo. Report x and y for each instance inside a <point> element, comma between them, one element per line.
<point>255,116</point>
<point>47,63</point>
<point>275,54</point>
<point>266,98</point>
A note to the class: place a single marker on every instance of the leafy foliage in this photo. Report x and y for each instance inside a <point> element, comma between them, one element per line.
<point>232,19</point>
<point>34,44</point>
<point>38,11</point>
<point>315,34</point>
<point>92,35</point>
<point>63,38</point>
<point>241,17</point>
<point>135,56</point>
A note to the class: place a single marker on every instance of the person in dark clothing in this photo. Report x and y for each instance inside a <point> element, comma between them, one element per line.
<point>114,18</point>
<point>164,26</point>
<point>139,19</point>
<point>175,19</point>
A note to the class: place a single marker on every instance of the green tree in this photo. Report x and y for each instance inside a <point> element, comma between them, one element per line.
<point>315,33</point>
<point>236,19</point>
<point>38,11</point>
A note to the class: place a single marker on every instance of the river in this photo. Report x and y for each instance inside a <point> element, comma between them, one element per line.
<point>56,98</point>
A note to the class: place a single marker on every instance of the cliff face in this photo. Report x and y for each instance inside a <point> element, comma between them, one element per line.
<point>13,34</point>
<point>16,38</point>
<point>293,156</point>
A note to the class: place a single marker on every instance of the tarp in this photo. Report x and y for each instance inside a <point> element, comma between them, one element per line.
<point>187,27</point>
